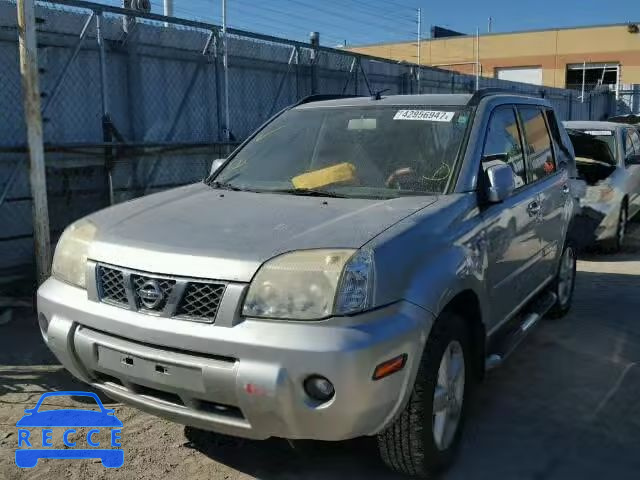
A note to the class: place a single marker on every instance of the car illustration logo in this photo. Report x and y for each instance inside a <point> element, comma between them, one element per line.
<point>150,294</point>
<point>28,453</point>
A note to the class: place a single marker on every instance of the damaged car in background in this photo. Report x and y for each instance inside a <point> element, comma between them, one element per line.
<point>608,159</point>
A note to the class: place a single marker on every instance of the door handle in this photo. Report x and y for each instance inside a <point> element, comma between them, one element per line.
<point>534,209</point>
<point>566,189</point>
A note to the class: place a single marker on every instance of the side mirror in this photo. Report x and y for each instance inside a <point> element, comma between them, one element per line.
<point>500,182</point>
<point>216,164</point>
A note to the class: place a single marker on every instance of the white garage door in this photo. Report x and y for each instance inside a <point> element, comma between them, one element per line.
<point>521,74</point>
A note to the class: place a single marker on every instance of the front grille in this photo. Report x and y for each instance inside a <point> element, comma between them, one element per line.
<point>188,299</point>
<point>201,300</point>
<point>112,285</point>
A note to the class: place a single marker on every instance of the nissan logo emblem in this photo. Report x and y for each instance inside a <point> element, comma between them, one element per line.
<point>150,294</point>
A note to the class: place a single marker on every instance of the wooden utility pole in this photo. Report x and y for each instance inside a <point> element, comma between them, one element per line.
<point>33,118</point>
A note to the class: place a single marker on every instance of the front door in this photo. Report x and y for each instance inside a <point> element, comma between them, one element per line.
<point>513,244</point>
<point>551,185</point>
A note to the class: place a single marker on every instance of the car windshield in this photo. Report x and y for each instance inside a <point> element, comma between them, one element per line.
<point>355,152</point>
<point>607,136</point>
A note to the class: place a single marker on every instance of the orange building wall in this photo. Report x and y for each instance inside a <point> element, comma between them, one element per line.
<point>552,50</point>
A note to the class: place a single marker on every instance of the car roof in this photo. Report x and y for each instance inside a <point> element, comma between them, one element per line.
<point>433,100</point>
<point>395,100</point>
<point>583,124</point>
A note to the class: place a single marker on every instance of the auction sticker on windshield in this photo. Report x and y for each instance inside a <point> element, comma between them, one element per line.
<point>599,133</point>
<point>424,115</point>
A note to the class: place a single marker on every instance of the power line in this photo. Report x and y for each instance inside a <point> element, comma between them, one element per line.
<point>288,15</point>
<point>279,21</point>
<point>275,21</point>
<point>331,13</point>
<point>399,5</point>
<point>366,8</point>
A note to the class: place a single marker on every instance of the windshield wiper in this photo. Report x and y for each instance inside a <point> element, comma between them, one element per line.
<point>226,186</point>
<point>308,192</point>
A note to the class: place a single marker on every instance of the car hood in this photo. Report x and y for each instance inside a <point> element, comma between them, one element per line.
<point>202,232</point>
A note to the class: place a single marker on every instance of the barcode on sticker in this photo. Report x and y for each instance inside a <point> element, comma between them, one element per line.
<point>424,115</point>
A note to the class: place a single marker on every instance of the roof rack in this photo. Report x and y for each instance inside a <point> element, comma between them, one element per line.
<point>488,92</point>
<point>320,97</point>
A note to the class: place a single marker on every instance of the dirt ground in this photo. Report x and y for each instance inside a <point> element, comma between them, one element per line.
<point>566,405</point>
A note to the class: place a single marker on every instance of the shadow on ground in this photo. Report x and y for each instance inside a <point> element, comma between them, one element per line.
<point>278,459</point>
<point>28,367</point>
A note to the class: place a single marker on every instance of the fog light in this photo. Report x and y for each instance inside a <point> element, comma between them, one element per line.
<point>44,325</point>
<point>319,388</point>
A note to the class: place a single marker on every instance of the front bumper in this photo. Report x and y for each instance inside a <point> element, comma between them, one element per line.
<point>240,378</point>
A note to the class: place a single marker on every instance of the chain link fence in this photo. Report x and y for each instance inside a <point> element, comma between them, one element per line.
<point>629,100</point>
<point>135,103</point>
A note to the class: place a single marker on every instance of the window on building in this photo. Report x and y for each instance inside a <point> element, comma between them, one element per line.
<point>592,75</point>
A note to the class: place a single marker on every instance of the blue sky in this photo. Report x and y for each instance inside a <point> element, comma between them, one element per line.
<point>372,21</point>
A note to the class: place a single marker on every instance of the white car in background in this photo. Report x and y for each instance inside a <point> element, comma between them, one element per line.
<point>608,159</point>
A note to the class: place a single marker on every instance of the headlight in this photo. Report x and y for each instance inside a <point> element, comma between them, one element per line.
<point>311,285</point>
<point>70,258</point>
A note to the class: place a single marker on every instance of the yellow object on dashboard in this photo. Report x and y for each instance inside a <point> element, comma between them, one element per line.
<point>340,173</point>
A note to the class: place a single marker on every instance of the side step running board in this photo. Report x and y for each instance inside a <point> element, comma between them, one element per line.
<point>529,319</point>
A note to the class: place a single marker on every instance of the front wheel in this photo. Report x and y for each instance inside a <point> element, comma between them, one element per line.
<point>424,438</point>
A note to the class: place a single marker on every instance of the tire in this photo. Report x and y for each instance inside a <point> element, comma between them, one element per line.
<point>564,284</point>
<point>409,444</point>
<point>616,244</point>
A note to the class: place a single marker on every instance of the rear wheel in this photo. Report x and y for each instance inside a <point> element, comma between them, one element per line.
<point>564,283</point>
<point>424,438</point>
<point>617,243</point>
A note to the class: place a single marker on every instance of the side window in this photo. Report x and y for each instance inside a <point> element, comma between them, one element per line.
<point>553,126</point>
<point>540,160</point>
<point>557,138</point>
<point>503,138</point>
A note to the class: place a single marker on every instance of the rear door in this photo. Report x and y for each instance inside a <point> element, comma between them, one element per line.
<point>549,182</point>
<point>513,244</point>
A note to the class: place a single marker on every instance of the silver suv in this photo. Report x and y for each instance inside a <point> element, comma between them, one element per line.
<point>351,270</point>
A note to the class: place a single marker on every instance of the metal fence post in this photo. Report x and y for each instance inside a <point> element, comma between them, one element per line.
<point>297,73</point>
<point>216,77</point>
<point>356,77</point>
<point>106,120</point>
<point>314,38</point>
<point>225,65</point>
<point>33,118</point>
